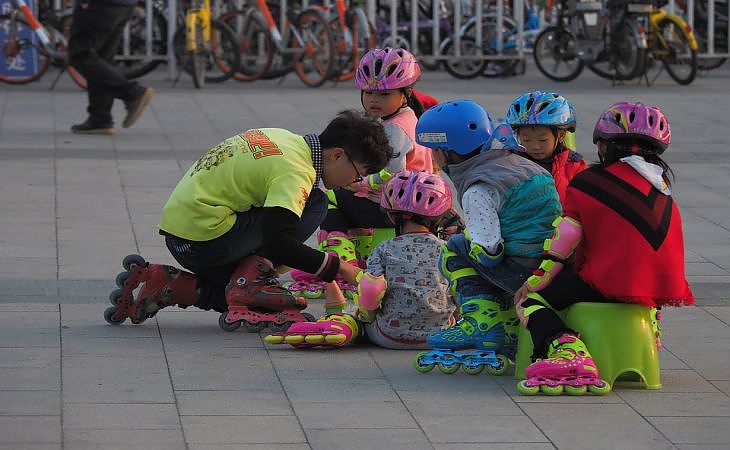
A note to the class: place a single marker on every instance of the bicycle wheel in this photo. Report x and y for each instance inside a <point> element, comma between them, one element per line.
<point>500,67</point>
<point>136,64</point>
<point>680,61</point>
<point>363,38</point>
<point>556,56</point>
<point>627,60</point>
<point>465,68</point>
<point>316,49</point>
<point>254,43</point>
<point>25,58</point>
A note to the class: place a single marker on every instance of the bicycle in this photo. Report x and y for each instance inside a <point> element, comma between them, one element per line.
<point>352,33</point>
<point>305,44</point>
<point>610,42</point>
<point>701,25</point>
<point>672,42</point>
<point>29,47</point>
<point>207,49</point>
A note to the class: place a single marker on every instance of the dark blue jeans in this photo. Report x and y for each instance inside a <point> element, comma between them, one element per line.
<point>215,261</point>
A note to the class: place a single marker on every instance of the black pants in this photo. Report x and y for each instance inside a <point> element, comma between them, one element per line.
<point>354,212</point>
<point>94,38</point>
<point>215,261</point>
<point>565,290</point>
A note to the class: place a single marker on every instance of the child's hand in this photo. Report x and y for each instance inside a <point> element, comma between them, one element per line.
<point>521,293</point>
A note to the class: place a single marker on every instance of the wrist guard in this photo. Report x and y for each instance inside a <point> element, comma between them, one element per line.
<point>369,295</point>
<point>543,275</point>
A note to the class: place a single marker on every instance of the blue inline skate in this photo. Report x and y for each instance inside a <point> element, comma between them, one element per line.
<point>471,344</point>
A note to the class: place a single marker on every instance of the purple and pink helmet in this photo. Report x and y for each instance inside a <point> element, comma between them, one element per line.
<point>387,68</point>
<point>419,193</point>
<point>634,120</point>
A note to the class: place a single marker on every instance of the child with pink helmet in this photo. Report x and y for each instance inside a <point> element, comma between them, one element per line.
<point>626,232</point>
<point>354,222</point>
<point>401,296</point>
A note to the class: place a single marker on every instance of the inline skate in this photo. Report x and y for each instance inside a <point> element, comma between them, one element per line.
<point>256,300</point>
<point>568,368</point>
<point>163,286</point>
<point>471,344</point>
<point>333,330</point>
<point>309,286</point>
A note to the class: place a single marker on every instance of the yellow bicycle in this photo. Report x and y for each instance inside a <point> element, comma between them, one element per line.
<point>207,48</point>
<point>672,42</point>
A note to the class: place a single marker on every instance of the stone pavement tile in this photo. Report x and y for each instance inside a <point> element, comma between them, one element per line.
<point>9,307</point>
<point>15,326</point>
<point>702,446</point>
<point>29,403</point>
<point>486,401</point>
<point>122,438</point>
<point>474,427</point>
<point>14,268</point>
<point>668,361</point>
<point>498,446</point>
<point>291,363</point>
<point>721,312</point>
<point>42,358</point>
<point>120,416</point>
<point>57,446</point>
<point>86,321</point>
<point>683,404</point>
<point>334,391</point>
<point>268,446</point>
<point>252,401</point>
<point>116,379</point>
<point>723,385</point>
<point>219,368</point>
<point>704,268</point>
<point>681,381</point>
<point>27,431</point>
<point>346,414</point>
<point>694,430</point>
<point>367,439</point>
<point>242,430</point>
<point>604,426</point>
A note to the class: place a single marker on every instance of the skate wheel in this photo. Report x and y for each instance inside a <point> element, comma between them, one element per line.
<point>274,339</point>
<point>604,389</point>
<point>309,317</point>
<point>133,259</point>
<point>115,296</point>
<point>109,316</point>
<point>501,369</point>
<point>279,328</point>
<point>471,369</point>
<point>575,390</point>
<point>551,390</point>
<point>122,278</point>
<point>450,367</point>
<point>525,389</point>
<point>225,325</point>
<point>253,327</point>
<point>316,293</point>
<point>421,367</point>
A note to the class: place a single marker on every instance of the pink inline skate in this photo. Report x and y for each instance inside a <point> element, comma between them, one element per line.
<point>163,286</point>
<point>256,300</point>
<point>333,330</point>
<point>568,368</point>
<point>309,286</point>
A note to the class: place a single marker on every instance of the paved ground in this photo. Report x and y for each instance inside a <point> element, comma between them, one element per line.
<point>72,206</point>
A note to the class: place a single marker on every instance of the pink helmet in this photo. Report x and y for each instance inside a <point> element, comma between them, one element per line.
<point>634,120</point>
<point>387,68</point>
<point>420,193</point>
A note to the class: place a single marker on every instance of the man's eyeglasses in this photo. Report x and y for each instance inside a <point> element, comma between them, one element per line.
<point>359,176</point>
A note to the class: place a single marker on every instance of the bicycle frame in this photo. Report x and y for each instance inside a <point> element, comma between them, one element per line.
<point>658,15</point>
<point>197,15</point>
<point>38,29</point>
<point>276,36</point>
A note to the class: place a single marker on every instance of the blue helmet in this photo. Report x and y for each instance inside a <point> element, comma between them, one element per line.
<point>541,108</point>
<point>504,137</point>
<point>459,126</point>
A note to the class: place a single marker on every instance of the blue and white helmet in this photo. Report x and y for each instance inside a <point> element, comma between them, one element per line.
<point>459,126</point>
<point>541,108</point>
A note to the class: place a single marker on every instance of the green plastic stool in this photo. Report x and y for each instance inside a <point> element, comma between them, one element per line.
<point>621,338</point>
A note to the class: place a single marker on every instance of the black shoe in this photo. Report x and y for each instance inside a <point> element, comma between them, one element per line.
<point>89,128</point>
<point>137,106</point>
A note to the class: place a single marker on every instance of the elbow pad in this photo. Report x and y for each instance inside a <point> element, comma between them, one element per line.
<point>543,275</point>
<point>566,236</point>
<point>370,293</point>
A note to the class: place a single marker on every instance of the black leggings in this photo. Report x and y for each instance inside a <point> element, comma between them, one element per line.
<point>354,212</point>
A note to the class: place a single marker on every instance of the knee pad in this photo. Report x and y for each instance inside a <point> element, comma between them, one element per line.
<point>447,260</point>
